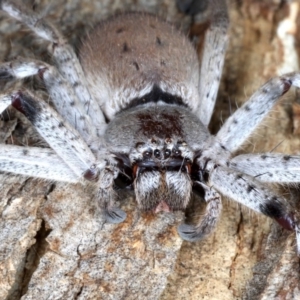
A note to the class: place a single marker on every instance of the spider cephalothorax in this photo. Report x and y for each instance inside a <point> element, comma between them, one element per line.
<point>137,115</point>
<point>161,158</point>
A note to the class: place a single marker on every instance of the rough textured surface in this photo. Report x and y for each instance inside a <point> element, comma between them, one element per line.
<point>51,246</point>
<point>249,256</point>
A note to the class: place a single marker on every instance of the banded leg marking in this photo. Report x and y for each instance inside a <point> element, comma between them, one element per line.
<point>64,55</point>
<point>63,96</point>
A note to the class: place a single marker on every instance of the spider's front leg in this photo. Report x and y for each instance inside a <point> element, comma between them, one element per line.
<point>237,129</point>
<point>208,221</point>
<point>106,195</point>
<point>71,161</point>
<point>244,121</point>
<point>225,174</point>
<point>251,193</point>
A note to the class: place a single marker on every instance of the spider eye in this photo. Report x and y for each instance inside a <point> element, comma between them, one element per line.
<point>147,154</point>
<point>176,152</point>
<point>157,153</point>
<point>167,153</point>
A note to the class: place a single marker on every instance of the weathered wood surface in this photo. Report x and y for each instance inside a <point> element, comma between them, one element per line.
<point>51,245</point>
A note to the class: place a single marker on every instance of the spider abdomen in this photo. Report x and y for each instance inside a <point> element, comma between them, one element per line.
<point>129,55</point>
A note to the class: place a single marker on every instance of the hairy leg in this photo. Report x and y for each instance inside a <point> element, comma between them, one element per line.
<point>73,153</point>
<point>243,122</point>
<point>215,44</point>
<point>250,192</point>
<point>60,136</point>
<point>35,162</point>
<point>208,221</point>
<point>60,91</point>
<point>269,167</point>
<point>65,58</point>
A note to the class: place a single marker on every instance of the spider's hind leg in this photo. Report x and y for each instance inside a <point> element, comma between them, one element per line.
<point>73,157</point>
<point>63,97</point>
<point>212,61</point>
<point>63,54</point>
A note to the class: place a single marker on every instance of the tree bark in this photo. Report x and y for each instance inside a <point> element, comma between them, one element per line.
<point>51,245</point>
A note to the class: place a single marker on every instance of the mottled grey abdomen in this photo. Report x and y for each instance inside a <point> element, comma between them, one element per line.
<point>127,55</point>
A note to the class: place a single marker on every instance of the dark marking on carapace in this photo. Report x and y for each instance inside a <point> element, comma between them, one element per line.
<point>27,106</point>
<point>193,7</point>
<point>66,59</point>
<point>161,125</point>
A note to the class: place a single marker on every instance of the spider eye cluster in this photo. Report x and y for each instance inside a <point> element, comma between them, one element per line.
<point>153,155</point>
<point>161,154</point>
